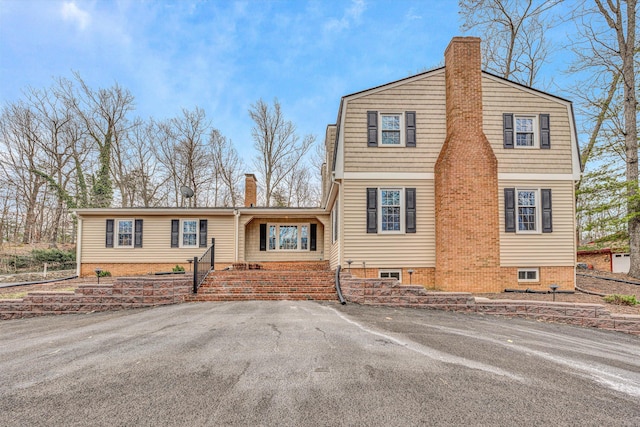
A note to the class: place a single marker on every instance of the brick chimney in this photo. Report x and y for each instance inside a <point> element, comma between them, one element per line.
<point>250,190</point>
<point>466,181</point>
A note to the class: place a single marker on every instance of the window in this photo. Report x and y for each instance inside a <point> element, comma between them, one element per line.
<point>390,210</point>
<point>390,274</point>
<point>390,128</point>
<point>525,136</point>
<point>125,233</point>
<point>189,232</point>
<point>526,130</point>
<point>285,237</point>
<point>527,210</point>
<point>528,275</point>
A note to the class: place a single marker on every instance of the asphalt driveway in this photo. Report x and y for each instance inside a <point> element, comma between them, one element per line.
<point>304,363</point>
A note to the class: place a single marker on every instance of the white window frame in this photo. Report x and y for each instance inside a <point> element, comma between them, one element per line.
<point>529,270</point>
<point>181,237</point>
<point>388,272</point>
<point>538,214</point>
<point>402,210</point>
<point>402,128</point>
<point>299,237</point>
<point>117,233</point>
<point>536,131</point>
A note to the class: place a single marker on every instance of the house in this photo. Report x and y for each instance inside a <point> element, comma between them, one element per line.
<point>454,178</point>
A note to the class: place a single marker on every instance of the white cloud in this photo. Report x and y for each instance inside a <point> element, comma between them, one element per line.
<point>352,14</point>
<point>71,12</point>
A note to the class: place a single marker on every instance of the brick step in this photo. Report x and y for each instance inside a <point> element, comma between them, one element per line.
<point>246,285</point>
<point>262,297</point>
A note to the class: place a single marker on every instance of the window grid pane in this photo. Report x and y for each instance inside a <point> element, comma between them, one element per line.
<point>526,210</point>
<point>390,201</point>
<point>524,132</point>
<point>189,234</point>
<point>288,237</point>
<point>391,129</point>
<point>125,233</point>
<point>304,238</point>
<point>272,237</point>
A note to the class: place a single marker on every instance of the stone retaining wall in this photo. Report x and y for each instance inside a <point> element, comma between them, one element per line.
<point>125,292</point>
<point>389,292</point>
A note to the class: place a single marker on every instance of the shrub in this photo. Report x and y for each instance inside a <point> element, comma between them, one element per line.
<point>178,268</point>
<point>622,299</point>
<point>104,273</point>
<point>53,256</point>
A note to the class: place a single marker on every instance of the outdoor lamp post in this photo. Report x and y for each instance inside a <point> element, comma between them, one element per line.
<point>554,288</point>
<point>349,264</point>
<point>98,271</point>
<point>410,273</point>
<point>190,261</point>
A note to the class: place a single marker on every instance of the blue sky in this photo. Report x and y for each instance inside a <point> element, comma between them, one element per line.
<point>224,55</point>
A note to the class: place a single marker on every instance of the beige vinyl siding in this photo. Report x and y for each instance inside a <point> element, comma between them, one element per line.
<point>426,97</point>
<point>156,240</point>
<point>500,97</point>
<point>388,250</point>
<point>252,239</point>
<point>543,249</point>
<point>336,246</point>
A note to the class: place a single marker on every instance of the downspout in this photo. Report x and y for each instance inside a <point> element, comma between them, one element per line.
<point>236,213</point>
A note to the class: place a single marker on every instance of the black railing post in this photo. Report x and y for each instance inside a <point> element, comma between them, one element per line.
<point>213,253</point>
<point>195,274</point>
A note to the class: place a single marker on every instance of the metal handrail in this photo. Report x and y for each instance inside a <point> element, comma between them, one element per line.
<point>203,265</point>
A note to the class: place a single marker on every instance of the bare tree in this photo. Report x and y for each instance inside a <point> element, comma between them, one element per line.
<point>104,115</point>
<point>139,174</point>
<point>182,150</point>
<point>620,17</point>
<point>280,150</point>
<point>57,140</point>
<point>228,167</point>
<point>21,155</point>
<point>514,35</point>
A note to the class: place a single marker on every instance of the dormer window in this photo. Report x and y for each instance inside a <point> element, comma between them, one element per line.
<point>525,136</point>
<point>390,128</point>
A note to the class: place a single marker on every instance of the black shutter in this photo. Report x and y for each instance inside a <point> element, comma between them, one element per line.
<point>203,233</point>
<point>545,136</point>
<point>410,203</point>
<point>410,119</point>
<point>547,220</point>
<point>372,210</point>
<point>312,236</point>
<point>510,210</point>
<point>175,233</point>
<point>109,237</point>
<point>263,237</point>
<point>137,240</point>
<point>507,130</point>
<point>372,128</point>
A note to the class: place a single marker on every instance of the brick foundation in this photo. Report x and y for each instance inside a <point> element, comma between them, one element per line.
<point>421,276</point>
<point>125,269</point>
